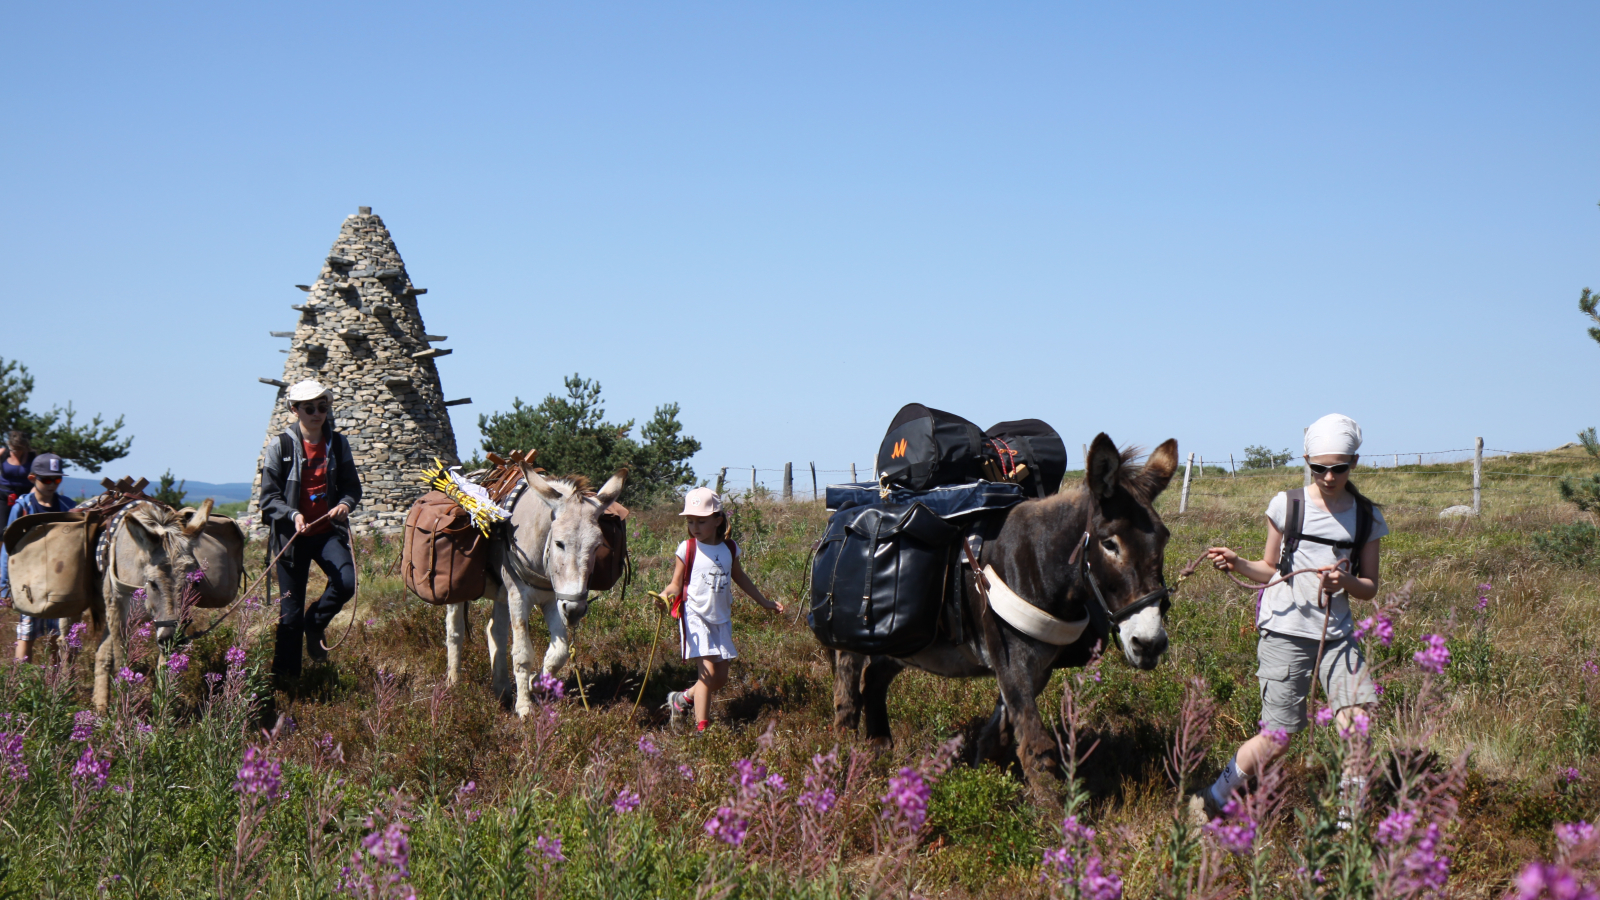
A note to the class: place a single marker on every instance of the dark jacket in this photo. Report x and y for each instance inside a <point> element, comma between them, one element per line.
<point>280,479</point>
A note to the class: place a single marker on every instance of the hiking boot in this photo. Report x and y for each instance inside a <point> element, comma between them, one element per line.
<point>678,706</point>
<point>314,649</point>
<point>1202,809</point>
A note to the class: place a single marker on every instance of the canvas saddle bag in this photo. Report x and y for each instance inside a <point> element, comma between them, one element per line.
<point>52,562</point>
<point>443,556</point>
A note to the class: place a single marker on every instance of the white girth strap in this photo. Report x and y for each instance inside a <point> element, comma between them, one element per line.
<point>1029,619</point>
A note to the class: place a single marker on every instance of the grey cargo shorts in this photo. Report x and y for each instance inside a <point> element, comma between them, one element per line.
<point>1284,665</point>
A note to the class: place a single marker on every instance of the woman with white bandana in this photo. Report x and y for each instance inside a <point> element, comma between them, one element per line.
<point>1292,623</point>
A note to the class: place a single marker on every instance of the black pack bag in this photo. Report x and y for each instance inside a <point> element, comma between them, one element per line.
<point>925,447</point>
<point>879,579</point>
<point>1030,442</point>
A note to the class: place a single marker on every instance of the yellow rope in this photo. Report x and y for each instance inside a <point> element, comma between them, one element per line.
<point>652,663</point>
<point>582,693</point>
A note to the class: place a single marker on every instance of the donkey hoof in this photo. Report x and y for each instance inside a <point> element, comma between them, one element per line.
<point>880,744</point>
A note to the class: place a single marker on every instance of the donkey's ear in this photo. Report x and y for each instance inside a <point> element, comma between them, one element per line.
<point>541,487</point>
<point>1102,467</point>
<point>612,489</point>
<point>1159,468</point>
<point>144,528</point>
<point>197,519</point>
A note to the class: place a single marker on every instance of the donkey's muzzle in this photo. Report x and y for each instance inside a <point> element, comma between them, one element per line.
<point>573,607</point>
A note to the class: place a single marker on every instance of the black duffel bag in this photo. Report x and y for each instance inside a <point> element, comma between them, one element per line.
<point>1031,442</point>
<point>926,447</point>
<point>878,579</point>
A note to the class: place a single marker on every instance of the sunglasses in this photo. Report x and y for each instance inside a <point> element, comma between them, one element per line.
<point>308,409</point>
<point>48,479</point>
<point>1338,469</point>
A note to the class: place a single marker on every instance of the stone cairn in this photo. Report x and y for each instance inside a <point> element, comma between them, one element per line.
<point>361,334</point>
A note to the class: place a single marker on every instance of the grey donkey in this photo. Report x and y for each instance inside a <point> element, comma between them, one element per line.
<point>543,558</point>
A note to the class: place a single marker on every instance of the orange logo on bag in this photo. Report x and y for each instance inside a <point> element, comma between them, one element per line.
<point>899,449</point>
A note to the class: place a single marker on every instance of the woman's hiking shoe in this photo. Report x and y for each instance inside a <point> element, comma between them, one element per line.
<point>678,706</point>
<point>1202,809</point>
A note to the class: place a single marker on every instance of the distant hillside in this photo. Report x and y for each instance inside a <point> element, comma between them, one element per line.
<point>194,491</point>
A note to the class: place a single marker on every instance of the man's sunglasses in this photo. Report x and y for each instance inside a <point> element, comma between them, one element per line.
<point>1338,469</point>
<point>308,409</point>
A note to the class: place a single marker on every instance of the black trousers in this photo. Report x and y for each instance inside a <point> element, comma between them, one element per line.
<point>331,552</point>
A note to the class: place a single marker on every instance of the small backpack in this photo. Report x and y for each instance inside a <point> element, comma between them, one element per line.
<point>926,447</point>
<point>1032,443</point>
<point>688,571</point>
<point>1295,519</point>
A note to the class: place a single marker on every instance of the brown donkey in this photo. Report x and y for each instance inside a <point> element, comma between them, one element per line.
<point>1093,552</point>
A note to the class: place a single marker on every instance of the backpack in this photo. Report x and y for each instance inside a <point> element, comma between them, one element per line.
<point>688,570</point>
<point>926,447</point>
<point>444,557</point>
<point>1031,443</point>
<point>51,565</point>
<point>1294,521</point>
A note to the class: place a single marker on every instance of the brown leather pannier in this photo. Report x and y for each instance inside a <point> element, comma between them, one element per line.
<point>220,552</point>
<point>442,556</point>
<point>612,556</point>
<point>51,565</point>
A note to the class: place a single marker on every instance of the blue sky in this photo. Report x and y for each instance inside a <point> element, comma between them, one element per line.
<point>1153,220</point>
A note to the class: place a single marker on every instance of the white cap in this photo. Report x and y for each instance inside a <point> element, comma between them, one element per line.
<point>310,389</point>
<point>1333,433</point>
<point>702,501</point>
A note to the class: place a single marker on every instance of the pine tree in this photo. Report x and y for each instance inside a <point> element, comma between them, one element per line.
<point>88,446</point>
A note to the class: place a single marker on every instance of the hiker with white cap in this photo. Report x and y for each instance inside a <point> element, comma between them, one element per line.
<point>1304,615</point>
<point>701,598</point>
<point>309,485</point>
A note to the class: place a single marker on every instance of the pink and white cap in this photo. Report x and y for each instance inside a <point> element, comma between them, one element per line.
<point>701,501</point>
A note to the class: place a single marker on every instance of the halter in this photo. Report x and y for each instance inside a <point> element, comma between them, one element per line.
<point>1160,595</point>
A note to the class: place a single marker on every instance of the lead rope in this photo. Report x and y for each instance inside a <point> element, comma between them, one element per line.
<point>245,594</point>
<point>355,598</point>
<point>649,666</point>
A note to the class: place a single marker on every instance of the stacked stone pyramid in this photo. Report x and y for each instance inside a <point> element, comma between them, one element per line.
<point>361,334</point>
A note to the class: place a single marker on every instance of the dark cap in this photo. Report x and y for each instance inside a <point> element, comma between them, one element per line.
<point>47,465</point>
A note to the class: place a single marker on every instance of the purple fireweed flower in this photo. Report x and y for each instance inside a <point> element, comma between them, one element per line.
<point>195,577</point>
<point>214,678</point>
<point>235,657</point>
<point>627,801</point>
<point>1396,827</point>
<point>550,686</point>
<point>260,774</point>
<point>138,595</point>
<point>747,774</point>
<point>686,773</point>
<point>908,797</point>
<point>550,849</point>
<point>129,676</point>
<point>1377,626</point>
<point>819,802</point>
<point>1483,595</point>
<point>1435,656</point>
<point>1590,667</point>
<point>75,635</point>
<point>776,783</point>
<point>1425,868</point>
<point>144,728</point>
<point>1359,724</point>
<point>647,746</point>
<point>1377,688</point>
<point>1276,735</point>
<point>1570,835</point>
<point>1077,860</point>
<point>252,602</point>
<point>1324,715</point>
<point>12,756</point>
<point>143,631</point>
<point>727,826</point>
<point>1548,881</point>
<point>1233,830</point>
<point>91,770</point>
<point>1571,775</point>
<point>82,726</point>
<point>178,663</point>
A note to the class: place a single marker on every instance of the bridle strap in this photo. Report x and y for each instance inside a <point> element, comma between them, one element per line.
<point>1080,555</point>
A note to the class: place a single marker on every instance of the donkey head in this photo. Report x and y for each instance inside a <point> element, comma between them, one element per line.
<point>165,540</point>
<point>1127,542</point>
<point>574,536</point>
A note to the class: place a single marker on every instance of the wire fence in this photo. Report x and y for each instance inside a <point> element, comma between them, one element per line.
<point>807,481</point>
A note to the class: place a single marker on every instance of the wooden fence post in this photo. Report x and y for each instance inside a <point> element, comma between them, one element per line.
<point>1397,460</point>
<point>752,479</point>
<point>788,481</point>
<point>1183,501</point>
<point>1085,456</point>
<point>722,476</point>
<point>1419,459</point>
<point>1201,468</point>
<point>1477,478</point>
<point>874,467</point>
<point>1232,467</point>
<point>813,481</point>
<point>852,473</point>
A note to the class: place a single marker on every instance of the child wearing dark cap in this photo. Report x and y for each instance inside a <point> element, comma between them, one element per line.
<point>44,475</point>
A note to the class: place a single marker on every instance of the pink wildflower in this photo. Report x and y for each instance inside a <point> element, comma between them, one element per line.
<point>1435,656</point>
<point>91,769</point>
<point>627,801</point>
<point>908,798</point>
<point>178,663</point>
<point>1233,830</point>
<point>260,774</point>
<point>647,746</point>
<point>235,657</point>
<point>129,676</point>
<point>75,635</point>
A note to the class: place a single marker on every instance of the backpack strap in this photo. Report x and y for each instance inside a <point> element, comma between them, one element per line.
<point>688,572</point>
<point>1364,522</point>
<point>1294,519</point>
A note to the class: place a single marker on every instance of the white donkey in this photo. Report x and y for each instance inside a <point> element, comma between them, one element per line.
<point>542,556</point>
<point>151,549</point>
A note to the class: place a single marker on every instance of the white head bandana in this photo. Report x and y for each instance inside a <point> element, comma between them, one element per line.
<point>1333,434</point>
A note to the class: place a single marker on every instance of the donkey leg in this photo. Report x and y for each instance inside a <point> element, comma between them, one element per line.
<point>847,668</point>
<point>498,632</point>
<point>875,681</point>
<point>517,601</point>
<point>560,649</point>
<point>995,736</point>
<point>105,652</point>
<point>1019,686</point>
<point>455,630</point>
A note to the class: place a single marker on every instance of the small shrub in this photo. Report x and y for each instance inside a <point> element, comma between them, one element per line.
<point>1574,546</point>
